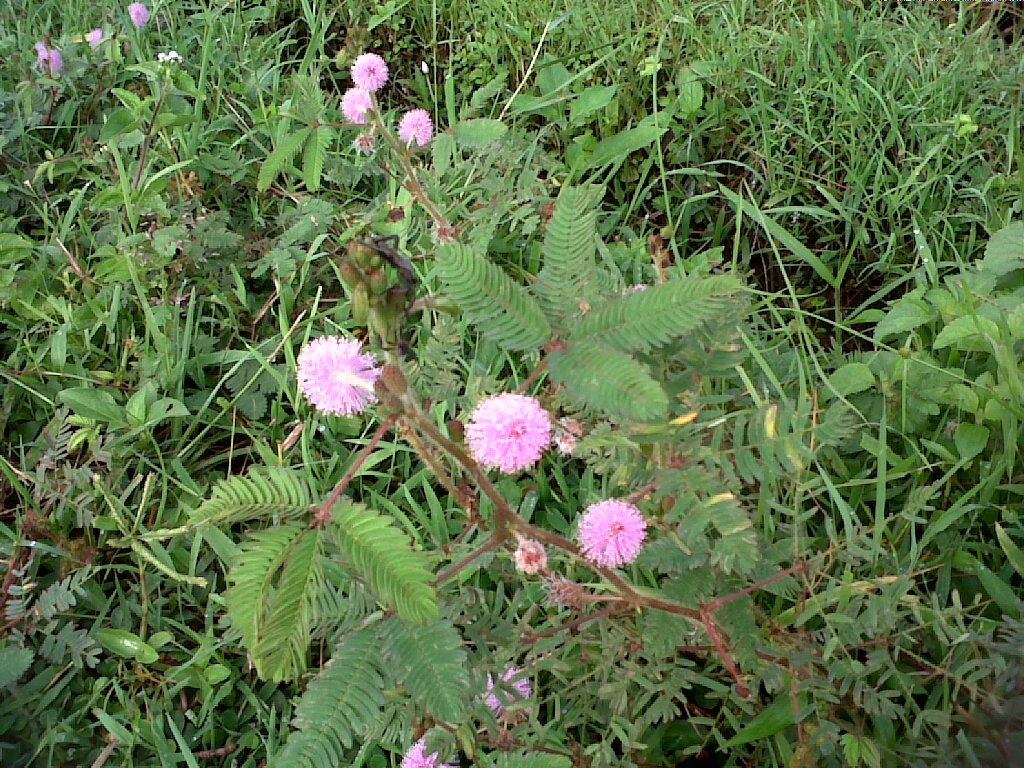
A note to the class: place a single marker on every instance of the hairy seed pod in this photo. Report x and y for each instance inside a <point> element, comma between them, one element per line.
<point>351,276</point>
<point>378,280</point>
<point>360,303</point>
<point>360,253</point>
<point>393,379</point>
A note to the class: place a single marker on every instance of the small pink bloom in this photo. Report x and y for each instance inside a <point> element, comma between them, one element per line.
<point>95,37</point>
<point>49,59</point>
<point>369,72</point>
<point>415,758</point>
<point>56,62</point>
<point>355,103</point>
<point>416,126</point>
<point>521,686</point>
<point>508,431</point>
<point>530,556</point>
<point>611,533</point>
<point>139,14</point>
<point>336,376</point>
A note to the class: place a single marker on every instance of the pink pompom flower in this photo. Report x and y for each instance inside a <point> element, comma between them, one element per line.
<point>139,14</point>
<point>355,103</point>
<point>369,72</point>
<point>336,376</point>
<point>415,758</point>
<point>520,686</point>
<point>530,557</point>
<point>49,59</point>
<point>508,431</point>
<point>94,38</point>
<point>416,126</point>
<point>611,533</point>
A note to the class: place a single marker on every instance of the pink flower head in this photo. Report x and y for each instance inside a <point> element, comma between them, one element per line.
<point>530,557</point>
<point>355,103</point>
<point>415,758</point>
<point>508,431</point>
<point>369,72</point>
<point>611,533</point>
<point>49,59</point>
<point>521,687</point>
<point>416,126</point>
<point>139,14</point>
<point>336,376</point>
<point>95,37</point>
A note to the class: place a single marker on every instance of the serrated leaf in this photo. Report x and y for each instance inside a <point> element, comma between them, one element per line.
<point>617,148</point>
<point>609,380</point>
<point>281,154</point>
<point>908,313</point>
<point>969,328</point>
<point>1005,250</point>
<point>970,439</point>
<point>775,718</point>
<point>851,378</point>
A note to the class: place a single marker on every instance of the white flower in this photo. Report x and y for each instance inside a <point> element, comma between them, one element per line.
<point>171,57</point>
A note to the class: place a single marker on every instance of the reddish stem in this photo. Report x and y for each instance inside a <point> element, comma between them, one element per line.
<point>444,576</point>
<point>730,665</point>
<point>714,605</point>
<point>323,512</point>
<point>535,636</point>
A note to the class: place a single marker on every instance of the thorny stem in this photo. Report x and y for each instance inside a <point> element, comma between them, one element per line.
<point>730,665</point>
<point>445,575</point>
<point>323,513</point>
<point>145,143</point>
<point>412,183</point>
<point>714,605</point>
<point>570,625</point>
<point>431,460</point>
<point>534,374</point>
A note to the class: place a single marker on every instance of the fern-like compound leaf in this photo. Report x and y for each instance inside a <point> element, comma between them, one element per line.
<point>342,702</point>
<point>610,380</point>
<point>280,652</point>
<point>265,493</point>
<point>658,315</point>
<point>500,308</point>
<point>431,662</point>
<point>393,569</point>
<point>568,274</point>
<point>261,556</point>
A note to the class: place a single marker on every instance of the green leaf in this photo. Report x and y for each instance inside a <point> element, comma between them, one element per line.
<point>1005,250</point>
<point>970,440</point>
<point>652,318</point>
<point>14,662</point>
<point>971,328</point>
<point>127,644</point>
<point>908,313</point>
<point>609,380</point>
<point>500,308</point>
<point>691,93</point>
<point>118,123</point>
<point>567,278</point>
<point>281,154</point>
<point>396,572</point>
<point>431,663</point>
<point>592,99</point>
<point>616,148</point>
<point>341,702</point>
<point>265,493</point>
<point>260,558</point>
<point>851,378</point>
<point>95,404</point>
<point>479,132</point>
<point>1013,553</point>
<point>315,154</point>
<point>778,717</point>
<point>531,759</point>
<point>283,638</point>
